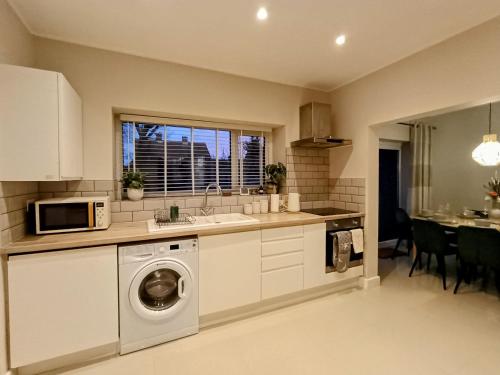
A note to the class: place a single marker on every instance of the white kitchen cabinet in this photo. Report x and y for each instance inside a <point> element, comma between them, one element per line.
<point>282,261</point>
<point>314,255</point>
<point>40,126</point>
<point>62,302</point>
<point>230,271</point>
<point>282,281</point>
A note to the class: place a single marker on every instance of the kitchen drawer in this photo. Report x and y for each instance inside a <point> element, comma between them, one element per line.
<point>284,281</point>
<point>282,261</point>
<point>282,246</point>
<point>282,233</point>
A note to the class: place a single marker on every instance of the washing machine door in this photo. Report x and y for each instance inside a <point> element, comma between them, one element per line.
<point>160,289</point>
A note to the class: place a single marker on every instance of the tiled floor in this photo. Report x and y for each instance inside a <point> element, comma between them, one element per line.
<point>407,326</point>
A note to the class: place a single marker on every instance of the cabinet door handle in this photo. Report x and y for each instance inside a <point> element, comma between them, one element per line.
<point>71,178</point>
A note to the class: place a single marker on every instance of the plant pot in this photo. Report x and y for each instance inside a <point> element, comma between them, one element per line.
<point>494,211</point>
<point>135,194</point>
<point>271,189</point>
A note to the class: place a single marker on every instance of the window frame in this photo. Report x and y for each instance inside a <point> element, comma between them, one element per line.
<point>236,130</point>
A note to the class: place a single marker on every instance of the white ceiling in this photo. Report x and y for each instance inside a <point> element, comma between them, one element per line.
<point>295,45</point>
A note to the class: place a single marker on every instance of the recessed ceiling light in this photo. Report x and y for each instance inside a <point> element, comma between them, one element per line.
<point>262,14</point>
<point>340,40</point>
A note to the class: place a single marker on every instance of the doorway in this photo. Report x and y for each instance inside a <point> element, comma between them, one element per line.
<point>389,192</point>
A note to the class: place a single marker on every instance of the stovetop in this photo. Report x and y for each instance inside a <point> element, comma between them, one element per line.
<point>327,211</point>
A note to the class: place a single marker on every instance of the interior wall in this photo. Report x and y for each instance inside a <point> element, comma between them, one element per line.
<point>456,178</point>
<point>16,47</point>
<point>16,43</point>
<point>455,73</point>
<point>108,79</point>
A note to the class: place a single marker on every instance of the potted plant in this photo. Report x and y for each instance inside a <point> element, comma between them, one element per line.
<point>493,194</point>
<point>275,174</point>
<point>134,183</point>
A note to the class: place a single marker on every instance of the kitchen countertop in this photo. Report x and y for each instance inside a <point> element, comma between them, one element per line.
<point>138,231</point>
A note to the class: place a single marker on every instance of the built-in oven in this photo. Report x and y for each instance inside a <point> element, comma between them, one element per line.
<point>59,215</point>
<point>332,227</point>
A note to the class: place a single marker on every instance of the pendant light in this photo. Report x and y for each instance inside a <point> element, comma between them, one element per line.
<point>488,153</point>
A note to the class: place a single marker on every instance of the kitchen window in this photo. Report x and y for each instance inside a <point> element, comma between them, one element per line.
<point>180,159</point>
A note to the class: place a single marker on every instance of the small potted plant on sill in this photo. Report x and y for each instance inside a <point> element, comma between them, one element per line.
<point>275,174</point>
<point>134,183</point>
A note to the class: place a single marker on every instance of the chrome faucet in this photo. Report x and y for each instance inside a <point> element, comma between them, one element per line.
<point>205,209</point>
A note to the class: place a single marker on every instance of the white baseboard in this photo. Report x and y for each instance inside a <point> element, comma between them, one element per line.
<point>369,282</point>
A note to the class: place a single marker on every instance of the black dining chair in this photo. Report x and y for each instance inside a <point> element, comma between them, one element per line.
<point>430,238</point>
<point>489,253</point>
<point>404,230</point>
<point>468,254</point>
<point>478,247</point>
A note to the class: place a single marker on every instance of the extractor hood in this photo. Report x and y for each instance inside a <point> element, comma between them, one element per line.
<point>315,128</point>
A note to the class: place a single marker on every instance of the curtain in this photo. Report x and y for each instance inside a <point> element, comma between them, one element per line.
<point>421,187</point>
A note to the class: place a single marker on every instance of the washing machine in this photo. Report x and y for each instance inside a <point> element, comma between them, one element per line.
<point>158,292</point>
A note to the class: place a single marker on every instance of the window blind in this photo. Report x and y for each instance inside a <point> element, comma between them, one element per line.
<point>184,160</point>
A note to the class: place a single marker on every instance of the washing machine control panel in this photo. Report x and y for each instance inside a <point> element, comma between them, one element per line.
<point>176,247</point>
<point>148,251</point>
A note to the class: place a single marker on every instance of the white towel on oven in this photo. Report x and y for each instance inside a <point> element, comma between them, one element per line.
<point>357,240</point>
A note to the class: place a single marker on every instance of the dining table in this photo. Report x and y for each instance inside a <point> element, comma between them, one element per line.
<point>451,222</point>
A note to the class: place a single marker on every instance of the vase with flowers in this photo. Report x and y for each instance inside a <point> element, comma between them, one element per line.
<point>493,195</point>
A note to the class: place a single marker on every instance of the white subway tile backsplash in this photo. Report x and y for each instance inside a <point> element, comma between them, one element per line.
<point>352,206</point>
<point>115,207</point>
<point>214,201</point>
<point>338,204</point>
<point>121,217</point>
<point>194,202</point>
<point>94,193</point>
<point>229,201</point>
<point>154,204</point>
<point>67,194</point>
<point>345,198</point>
<point>308,175</point>
<point>181,203</point>
<point>190,211</point>
<point>3,205</point>
<point>104,185</point>
<point>83,185</point>
<point>51,186</point>
<point>243,199</point>
<point>142,215</point>
<point>237,209</point>
<point>306,205</point>
<point>360,182</point>
<point>222,210</point>
<point>353,190</point>
<point>14,196</point>
<point>358,198</point>
<point>132,205</point>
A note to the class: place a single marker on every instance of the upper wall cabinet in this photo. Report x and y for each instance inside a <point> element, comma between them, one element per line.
<point>40,126</point>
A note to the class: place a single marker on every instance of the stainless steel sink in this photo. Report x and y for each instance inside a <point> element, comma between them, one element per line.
<point>218,220</point>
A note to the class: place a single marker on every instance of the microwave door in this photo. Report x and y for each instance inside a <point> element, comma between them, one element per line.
<point>60,217</point>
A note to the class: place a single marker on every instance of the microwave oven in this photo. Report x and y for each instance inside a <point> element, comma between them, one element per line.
<point>60,215</point>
